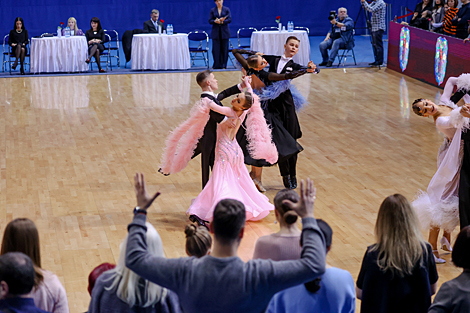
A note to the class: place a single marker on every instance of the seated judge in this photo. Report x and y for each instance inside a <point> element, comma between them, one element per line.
<point>151,26</point>
<point>74,30</point>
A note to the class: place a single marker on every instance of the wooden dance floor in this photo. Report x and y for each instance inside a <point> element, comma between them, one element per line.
<point>70,146</point>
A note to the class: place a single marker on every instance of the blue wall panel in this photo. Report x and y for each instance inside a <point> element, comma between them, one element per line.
<point>45,15</point>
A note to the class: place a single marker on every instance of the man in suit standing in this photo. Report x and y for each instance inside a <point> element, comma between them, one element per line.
<point>151,26</point>
<point>284,107</point>
<point>219,18</point>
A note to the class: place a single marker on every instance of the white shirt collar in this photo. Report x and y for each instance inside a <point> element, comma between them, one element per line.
<point>284,58</point>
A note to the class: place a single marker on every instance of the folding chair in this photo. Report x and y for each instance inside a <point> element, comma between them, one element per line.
<point>245,33</point>
<point>106,53</point>
<point>302,28</point>
<point>346,51</point>
<point>8,56</point>
<point>114,37</point>
<point>199,36</point>
<point>269,28</point>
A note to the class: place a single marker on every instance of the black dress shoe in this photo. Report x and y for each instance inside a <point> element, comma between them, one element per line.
<point>293,182</point>
<point>323,64</point>
<point>22,70</point>
<point>373,63</point>
<point>329,64</point>
<point>196,219</point>
<point>287,182</point>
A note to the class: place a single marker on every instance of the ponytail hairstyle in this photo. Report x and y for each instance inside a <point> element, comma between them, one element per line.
<point>289,216</point>
<point>198,240</point>
<point>252,61</point>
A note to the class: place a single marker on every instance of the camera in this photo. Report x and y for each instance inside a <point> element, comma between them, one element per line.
<point>333,15</point>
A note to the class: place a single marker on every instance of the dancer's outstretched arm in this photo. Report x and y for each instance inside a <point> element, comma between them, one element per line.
<point>219,109</point>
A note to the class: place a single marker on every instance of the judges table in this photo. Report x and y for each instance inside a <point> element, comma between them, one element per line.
<point>160,52</point>
<point>59,54</point>
<point>272,42</point>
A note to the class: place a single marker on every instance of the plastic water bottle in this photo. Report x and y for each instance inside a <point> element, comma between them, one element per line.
<point>67,32</point>
<point>59,32</point>
<point>169,29</point>
<point>289,26</point>
<point>292,26</point>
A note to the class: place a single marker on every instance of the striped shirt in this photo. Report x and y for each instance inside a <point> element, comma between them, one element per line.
<point>377,8</point>
<point>448,27</point>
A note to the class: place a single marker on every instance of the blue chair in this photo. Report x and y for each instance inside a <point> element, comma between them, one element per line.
<point>345,51</point>
<point>245,33</point>
<point>199,36</point>
<point>8,56</point>
<point>269,28</point>
<point>302,28</point>
<point>114,49</point>
<point>106,53</point>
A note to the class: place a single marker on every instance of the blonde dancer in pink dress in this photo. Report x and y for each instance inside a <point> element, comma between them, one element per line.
<point>230,177</point>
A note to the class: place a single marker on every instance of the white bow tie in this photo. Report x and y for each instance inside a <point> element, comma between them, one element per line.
<point>284,58</point>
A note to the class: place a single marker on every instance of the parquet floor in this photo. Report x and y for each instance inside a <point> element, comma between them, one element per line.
<point>69,147</point>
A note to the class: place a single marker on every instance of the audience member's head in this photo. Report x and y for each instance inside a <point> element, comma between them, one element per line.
<point>461,251</point>
<point>126,283</point>
<point>19,23</point>
<point>96,272</point>
<point>198,240</point>
<point>438,4</point>
<point>206,79</point>
<point>228,221</point>
<point>95,24</point>
<point>16,275</point>
<point>283,213</point>
<point>72,24</point>
<point>399,240</point>
<point>314,285</point>
<point>21,235</point>
<point>452,3</point>
<point>154,15</point>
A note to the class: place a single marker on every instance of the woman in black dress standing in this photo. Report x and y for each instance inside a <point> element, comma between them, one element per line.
<point>18,40</point>
<point>95,37</point>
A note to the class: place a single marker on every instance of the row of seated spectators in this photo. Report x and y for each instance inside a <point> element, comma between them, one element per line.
<point>443,17</point>
<point>398,272</point>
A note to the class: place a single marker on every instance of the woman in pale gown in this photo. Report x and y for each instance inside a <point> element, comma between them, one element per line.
<point>230,177</point>
<point>439,206</point>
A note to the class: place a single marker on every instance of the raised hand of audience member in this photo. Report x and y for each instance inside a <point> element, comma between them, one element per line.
<point>304,208</point>
<point>143,198</point>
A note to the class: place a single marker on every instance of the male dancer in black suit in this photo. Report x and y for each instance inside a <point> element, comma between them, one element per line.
<point>151,26</point>
<point>284,107</point>
<point>206,145</point>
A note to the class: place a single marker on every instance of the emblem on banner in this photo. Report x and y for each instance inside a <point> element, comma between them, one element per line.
<point>440,64</point>
<point>404,47</point>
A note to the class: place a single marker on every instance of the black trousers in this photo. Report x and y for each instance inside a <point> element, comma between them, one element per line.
<point>220,53</point>
<point>288,166</point>
<point>378,45</point>
<point>464,187</point>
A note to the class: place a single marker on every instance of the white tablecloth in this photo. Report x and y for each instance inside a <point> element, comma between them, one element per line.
<point>160,52</point>
<point>272,42</point>
<point>54,54</point>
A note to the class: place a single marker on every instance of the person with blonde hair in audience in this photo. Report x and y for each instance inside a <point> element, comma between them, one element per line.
<point>74,30</point>
<point>454,295</point>
<point>285,244</point>
<point>198,240</point>
<point>398,272</point>
<point>122,290</point>
<point>21,235</point>
<point>333,292</point>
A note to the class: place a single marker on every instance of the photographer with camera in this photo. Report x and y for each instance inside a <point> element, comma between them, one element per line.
<point>339,37</point>
<point>378,9</point>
